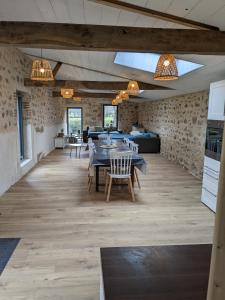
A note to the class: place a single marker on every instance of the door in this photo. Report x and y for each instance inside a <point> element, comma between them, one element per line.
<point>216,109</point>
<point>74,120</point>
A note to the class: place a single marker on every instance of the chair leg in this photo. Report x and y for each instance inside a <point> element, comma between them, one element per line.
<point>109,189</point>
<point>131,189</point>
<point>137,178</point>
<point>71,151</point>
<point>106,183</point>
<point>90,183</point>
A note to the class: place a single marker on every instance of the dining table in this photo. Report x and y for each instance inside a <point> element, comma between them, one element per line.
<point>101,159</point>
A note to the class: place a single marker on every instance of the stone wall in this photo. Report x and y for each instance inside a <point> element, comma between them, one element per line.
<point>44,115</point>
<point>93,113</point>
<point>181,123</point>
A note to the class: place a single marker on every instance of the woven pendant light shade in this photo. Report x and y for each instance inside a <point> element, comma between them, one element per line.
<point>67,93</point>
<point>133,88</point>
<point>124,95</point>
<point>114,102</point>
<point>166,68</point>
<point>41,70</point>
<point>118,99</point>
<point>77,99</point>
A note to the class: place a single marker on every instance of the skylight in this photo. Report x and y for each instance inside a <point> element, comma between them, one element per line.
<point>148,61</point>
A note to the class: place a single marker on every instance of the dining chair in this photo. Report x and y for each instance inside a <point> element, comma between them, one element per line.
<point>120,168</point>
<point>134,148</point>
<point>126,140</point>
<point>91,173</point>
<point>102,137</point>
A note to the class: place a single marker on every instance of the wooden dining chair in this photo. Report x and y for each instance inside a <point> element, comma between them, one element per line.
<point>120,168</point>
<point>134,148</point>
<point>91,173</point>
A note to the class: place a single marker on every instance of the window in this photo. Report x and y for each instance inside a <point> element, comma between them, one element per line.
<point>74,120</point>
<point>148,62</point>
<point>20,125</point>
<point>110,116</point>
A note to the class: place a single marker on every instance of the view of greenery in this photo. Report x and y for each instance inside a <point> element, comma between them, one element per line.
<point>74,120</point>
<point>110,116</point>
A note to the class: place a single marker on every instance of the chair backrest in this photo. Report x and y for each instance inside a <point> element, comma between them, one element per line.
<point>134,147</point>
<point>90,140</point>
<point>126,140</point>
<point>102,136</point>
<point>130,144</point>
<point>120,162</point>
<point>91,148</point>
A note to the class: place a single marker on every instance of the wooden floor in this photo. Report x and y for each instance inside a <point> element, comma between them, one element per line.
<point>62,226</point>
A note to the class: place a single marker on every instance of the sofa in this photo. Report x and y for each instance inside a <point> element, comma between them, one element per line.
<point>149,142</point>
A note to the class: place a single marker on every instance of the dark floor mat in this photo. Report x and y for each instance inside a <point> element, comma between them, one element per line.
<point>7,247</point>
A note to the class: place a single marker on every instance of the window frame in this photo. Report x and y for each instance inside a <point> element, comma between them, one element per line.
<point>103,114</point>
<point>20,109</point>
<point>67,118</point>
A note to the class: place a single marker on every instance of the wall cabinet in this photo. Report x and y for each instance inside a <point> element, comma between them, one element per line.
<point>216,109</point>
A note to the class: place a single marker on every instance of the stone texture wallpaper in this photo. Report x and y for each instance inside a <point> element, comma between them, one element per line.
<point>93,113</point>
<point>181,123</point>
<point>44,110</point>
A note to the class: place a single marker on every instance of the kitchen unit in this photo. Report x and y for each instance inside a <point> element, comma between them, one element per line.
<point>213,146</point>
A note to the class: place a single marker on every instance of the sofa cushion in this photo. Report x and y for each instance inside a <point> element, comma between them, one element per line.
<point>99,129</point>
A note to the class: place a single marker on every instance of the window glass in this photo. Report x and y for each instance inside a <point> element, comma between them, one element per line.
<point>74,120</point>
<point>110,116</point>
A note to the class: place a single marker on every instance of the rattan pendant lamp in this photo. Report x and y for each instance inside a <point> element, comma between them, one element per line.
<point>67,93</point>
<point>133,88</point>
<point>124,95</point>
<point>77,99</point>
<point>41,70</point>
<point>166,68</point>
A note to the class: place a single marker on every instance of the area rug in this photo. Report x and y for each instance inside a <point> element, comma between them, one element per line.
<point>7,247</point>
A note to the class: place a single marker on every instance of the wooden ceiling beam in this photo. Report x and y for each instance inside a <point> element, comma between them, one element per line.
<point>92,85</point>
<point>111,38</point>
<point>56,68</point>
<point>91,95</point>
<point>155,14</point>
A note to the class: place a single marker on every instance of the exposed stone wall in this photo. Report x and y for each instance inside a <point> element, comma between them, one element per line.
<point>93,113</point>
<point>45,110</point>
<point>181,123</point>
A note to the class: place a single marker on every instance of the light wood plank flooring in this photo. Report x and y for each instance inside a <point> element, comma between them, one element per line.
<point>62,226</point>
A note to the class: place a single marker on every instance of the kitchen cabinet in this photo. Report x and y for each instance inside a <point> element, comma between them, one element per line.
<point>216,110</point>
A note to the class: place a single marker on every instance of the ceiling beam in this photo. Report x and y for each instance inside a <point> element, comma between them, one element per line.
<point>111,38</point>
<point>56,68</point>
<point>91,95</point>
<point>92,85</point>
<point>155,14</point>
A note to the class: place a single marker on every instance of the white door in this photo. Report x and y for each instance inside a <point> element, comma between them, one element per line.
<point>216,109</point>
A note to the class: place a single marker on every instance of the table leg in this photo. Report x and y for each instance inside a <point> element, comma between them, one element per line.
<point>132,174</point>
<point>97,178</point>
<point>79,151</point>
<point>76,152</point>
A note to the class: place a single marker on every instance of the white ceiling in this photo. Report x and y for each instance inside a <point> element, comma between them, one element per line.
<point>87,12</point>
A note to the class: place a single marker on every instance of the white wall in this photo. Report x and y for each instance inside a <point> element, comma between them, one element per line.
<point>10,166</point>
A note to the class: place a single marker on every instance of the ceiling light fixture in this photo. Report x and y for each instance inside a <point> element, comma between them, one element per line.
<point>77,99</point>
<point>133,88</point>
<point>124,95</point>
<point>166,68</point>
<point>67,93</point>
<point>41,70</point>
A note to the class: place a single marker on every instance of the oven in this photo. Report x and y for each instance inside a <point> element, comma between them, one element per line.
<point>214,137</point>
